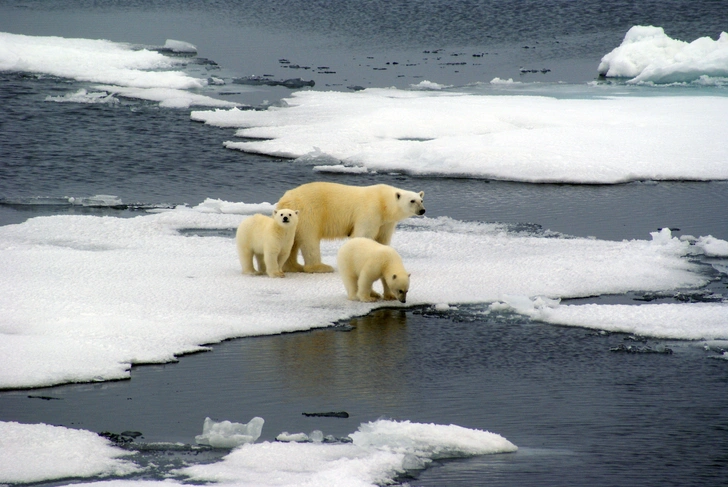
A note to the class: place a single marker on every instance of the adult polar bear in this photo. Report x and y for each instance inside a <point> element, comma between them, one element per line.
<point>331,211</point>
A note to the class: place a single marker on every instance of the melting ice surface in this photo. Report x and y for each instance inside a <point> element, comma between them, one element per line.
<point>118,68</point>
<point>85,297</point>
<point>517,138</point>
<point>374,455</point>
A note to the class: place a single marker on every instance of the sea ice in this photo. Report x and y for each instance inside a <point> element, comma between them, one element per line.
<point>520,138</point>
<point>83,298</point>
<point>225,434</point>
<point>98,61</point>
<point>180,46</point>
<point>380,451</point>
<point>647,54</point>
<point>40,452</point>
<point>120,69</point>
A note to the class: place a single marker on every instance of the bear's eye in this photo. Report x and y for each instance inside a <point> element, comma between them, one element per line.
<point>412,201</point>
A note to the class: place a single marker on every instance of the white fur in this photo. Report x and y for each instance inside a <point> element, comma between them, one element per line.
<point>362,261</point>
<point>267,239</point>
<point>331,211</point>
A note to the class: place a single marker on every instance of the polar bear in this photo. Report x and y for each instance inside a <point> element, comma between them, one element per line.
<point>362,261</point>
<point>331,211</point>
<point>268,239</point>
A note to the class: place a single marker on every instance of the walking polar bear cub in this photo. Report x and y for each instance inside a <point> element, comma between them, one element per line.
<point>268,240</point>
<point>331,211</point>
<point>362,261</point>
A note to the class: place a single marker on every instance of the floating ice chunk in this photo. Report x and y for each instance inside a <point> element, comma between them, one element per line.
<point>37,452</point>
<point>713,247</point>
<point>287,437</point>
<point>84,96</point>
<point>499,81</point>
<point>316,436</point>
<point>180,46</point>
<point>428,85</point>
<point>431,441</point>
<point>167,97</point>
<point>647,54</point>
<point>211,205</point>
<point>97,61</point>
<point>381,451</point>
<point>225,434</point>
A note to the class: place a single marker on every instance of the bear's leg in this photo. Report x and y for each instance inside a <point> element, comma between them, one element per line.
<point>385,233</point>
<point>246,260</point>
<point>292,264</point>
<point>311,250</point>
<point>349,279</point>
<point>261,264</point>
<point>388,295</point>
<point>271,263</point>
<point>365,292</point>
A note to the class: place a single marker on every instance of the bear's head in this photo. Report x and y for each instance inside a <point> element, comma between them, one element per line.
<point>285,217</point>
<point>410,203</point>
<point>399,285</point>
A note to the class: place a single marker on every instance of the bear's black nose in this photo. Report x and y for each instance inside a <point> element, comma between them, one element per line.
<point>422,211</point>
<point>285,219</point>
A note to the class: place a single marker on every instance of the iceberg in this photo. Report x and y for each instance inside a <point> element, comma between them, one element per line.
<point>647,54</point>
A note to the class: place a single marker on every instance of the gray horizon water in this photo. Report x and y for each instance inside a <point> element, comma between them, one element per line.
<point>580,413</point>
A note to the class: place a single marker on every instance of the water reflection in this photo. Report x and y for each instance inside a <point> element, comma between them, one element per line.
<point>367,362</point>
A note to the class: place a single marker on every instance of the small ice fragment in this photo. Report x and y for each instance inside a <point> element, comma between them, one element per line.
<point>225,434</point>
<point>179,46</point>
<point>294,437</point>
<point>316,436</point>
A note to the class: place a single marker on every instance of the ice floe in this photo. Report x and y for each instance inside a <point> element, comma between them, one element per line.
<point>380,451</point>
<point>86,297</point>
<point>376,454</point>
<point>119,68</point>
<point>37,452</point>
<point>519,138</point>
<point>647,54</point>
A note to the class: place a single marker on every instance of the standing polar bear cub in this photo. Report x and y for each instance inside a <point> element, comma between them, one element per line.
<point>267,239</point>
<point>331,211</point>
<point>362,261</point>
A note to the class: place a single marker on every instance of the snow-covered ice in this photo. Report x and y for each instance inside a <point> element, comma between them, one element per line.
<point>378,452</point>
<point>647,54</point>
<point>86,297</point>
<point>518,138</point>
<point>118,68</point>
<point>36,452</point>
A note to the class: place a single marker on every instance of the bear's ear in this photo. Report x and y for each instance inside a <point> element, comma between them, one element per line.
<point>422,194</point>
<point>296,212</point>
<point>398,195</point>
<point>275,212</point>
<point>409,275</point>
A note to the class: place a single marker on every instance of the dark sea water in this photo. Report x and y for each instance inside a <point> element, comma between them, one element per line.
<point>580,413</point>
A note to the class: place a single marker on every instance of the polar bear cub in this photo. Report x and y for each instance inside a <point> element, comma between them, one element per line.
<point>333,211</point>
<point>362,261</point>
<point>268,239</point>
